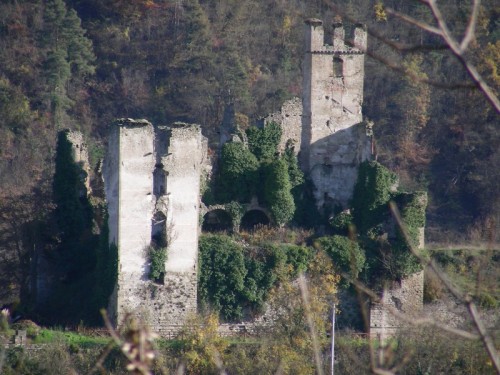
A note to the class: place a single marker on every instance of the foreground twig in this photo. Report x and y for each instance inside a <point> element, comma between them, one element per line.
<point>305,299</point>
<point>466,299</point>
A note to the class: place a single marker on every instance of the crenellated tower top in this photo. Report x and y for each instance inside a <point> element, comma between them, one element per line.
<point>332,143</point>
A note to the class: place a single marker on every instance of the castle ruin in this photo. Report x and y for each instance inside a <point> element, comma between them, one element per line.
<point>152,177</point>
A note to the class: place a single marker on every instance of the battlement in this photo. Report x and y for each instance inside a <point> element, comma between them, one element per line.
<point>339,45</point>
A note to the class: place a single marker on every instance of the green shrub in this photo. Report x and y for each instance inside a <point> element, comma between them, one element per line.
<point>221,277</point>
<point>233,279</point>
<point>294,173</point>
<point>342,223</point>
<point>278,195</point>
<point>239,173</point>
<point>347,255</point>
<point>263,142</point>
<point>371,194</point>
<point>157,259</point>
<point>297,258</point>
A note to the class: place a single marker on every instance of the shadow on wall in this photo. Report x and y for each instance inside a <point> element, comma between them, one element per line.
<point>333,164</point>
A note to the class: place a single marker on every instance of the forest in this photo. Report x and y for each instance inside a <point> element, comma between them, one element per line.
<point>80,64</point>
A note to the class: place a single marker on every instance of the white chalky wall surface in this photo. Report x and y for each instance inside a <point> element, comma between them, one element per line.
<point>132,205</point>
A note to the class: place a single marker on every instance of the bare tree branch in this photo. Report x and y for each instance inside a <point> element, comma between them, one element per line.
<point>471,27</point>
<point>411,320</point>
<point>471,306</point>
<point>459,52</point>
<point>304,292</point>
<point>413,21</point>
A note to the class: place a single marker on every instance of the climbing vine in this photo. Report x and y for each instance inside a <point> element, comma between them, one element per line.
<point>387,250</point>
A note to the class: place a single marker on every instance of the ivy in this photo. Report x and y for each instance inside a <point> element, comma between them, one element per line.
<point>371,194</point>
<point>233,278</point>
<point>263,143</point>
<point>239,173</point>
<point>277,190</point>
<point>295,174</point>
<point>348,257</point>
<point>236,211</point>
<point>342,223</point>
<point>388,252</point>
<point>221,276</point>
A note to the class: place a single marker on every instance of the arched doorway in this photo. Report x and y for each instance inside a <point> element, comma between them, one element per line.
<point>217,220</point>
<point>253,218</point>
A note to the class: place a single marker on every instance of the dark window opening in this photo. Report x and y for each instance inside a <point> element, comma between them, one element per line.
<point>338,67</point>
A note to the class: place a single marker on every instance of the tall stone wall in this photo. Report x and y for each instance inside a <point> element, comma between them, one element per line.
<point>152,181</point>
<point>334,140</point>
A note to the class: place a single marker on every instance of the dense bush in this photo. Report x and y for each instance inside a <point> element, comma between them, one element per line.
<point>233,278</point>
<point>263,142</point>
<point>294,172</point>
<point>222,273</point>
<point>347,256</point>
<point>239,173</point>
<point>277,190</point>
<point>157,258</point>
<point>388,251</point>
<point>371,194</point>
<point>342,223</point>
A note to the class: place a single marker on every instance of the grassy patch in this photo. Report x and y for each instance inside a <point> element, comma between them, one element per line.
<point>473,271</point>
<point>48,336</point>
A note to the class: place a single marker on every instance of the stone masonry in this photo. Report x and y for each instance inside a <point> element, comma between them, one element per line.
<point>326,127</point>
<point>333,139</point>
<point>152,183</point>
<point>403,297</point>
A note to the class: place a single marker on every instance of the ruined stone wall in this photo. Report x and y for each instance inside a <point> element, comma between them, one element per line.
<point>405,297</point>
<point>289,117</point>
<point>80,155</point>
<point>152,182</point>
<point>333,140</point>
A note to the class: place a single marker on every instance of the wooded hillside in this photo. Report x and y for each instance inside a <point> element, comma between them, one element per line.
<point>79,64</point>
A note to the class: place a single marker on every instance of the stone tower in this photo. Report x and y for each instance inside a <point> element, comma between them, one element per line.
<point>152,181</point>
<point>334,140</point>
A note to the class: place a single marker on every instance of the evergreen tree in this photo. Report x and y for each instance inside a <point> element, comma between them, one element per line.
<point>278,193</point>
<point>69,55</point>
<point>263,143</point>
<point>239,173</point>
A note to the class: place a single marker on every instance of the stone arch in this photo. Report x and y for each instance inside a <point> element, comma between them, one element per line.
<point>253,218</point>
<point>217,220</point>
